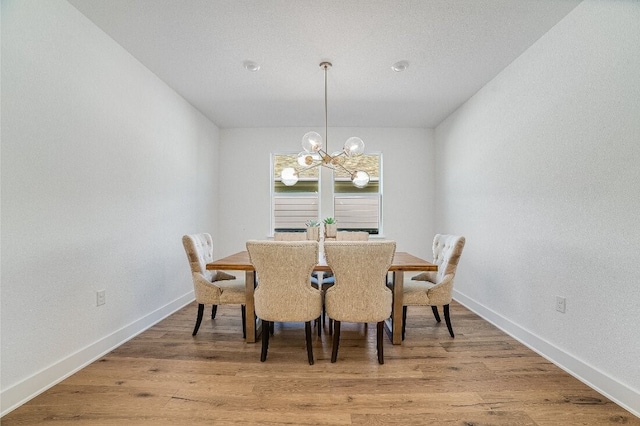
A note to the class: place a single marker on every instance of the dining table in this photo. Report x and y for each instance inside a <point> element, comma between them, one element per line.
<point>402,262</point>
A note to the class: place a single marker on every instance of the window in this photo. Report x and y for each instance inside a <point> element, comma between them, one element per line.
<point>293,205</point>
<point>355,209</point>
<point>359,209</point>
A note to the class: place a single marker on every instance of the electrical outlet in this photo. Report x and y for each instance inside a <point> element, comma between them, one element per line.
<point>100,298</point>
<point>561,304</point>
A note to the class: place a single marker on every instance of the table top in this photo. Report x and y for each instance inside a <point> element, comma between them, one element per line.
<point>402,261</point>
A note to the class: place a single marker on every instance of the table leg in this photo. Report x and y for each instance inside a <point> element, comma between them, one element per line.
<point>394,326</point>
<point>253,325</point>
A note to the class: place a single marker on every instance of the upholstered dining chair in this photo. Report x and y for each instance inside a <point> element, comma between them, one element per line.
<point>360,293</point>
<point>289,236</point>
<point>352,236</point>
<point>328,279</point>
<point>298,236</point>
<point>283,293</point>
<point>434,288</point>
<point>211,287</point>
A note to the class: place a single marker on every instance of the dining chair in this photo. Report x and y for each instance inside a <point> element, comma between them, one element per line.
<point>352,236</point>
<point>211,287</point>
<point>360,293</point>
<point>289,236</point>
<point>327,278</point>
<point>298,236</point>
<point>434,288</point>
<point>283,293</point>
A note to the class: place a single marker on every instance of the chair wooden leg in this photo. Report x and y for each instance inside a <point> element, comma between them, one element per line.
<point>214,311</point>
<point>307,329</point>
<point>244,321</point>
<point>330,326</point>
<point>198,319</point>
<point>435,313</point>
<point>272,327</point>
<point>265,341</point>
<point>324,313</point>
<point>379,334</point>
<point>336,341</point>
<point>319,321</point>
<point>404,321</point>
<point>447,319</point>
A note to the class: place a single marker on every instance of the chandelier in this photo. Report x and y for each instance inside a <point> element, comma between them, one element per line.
<point>314,155</point>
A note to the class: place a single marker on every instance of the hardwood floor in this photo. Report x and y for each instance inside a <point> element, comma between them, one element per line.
<point>166,377</point>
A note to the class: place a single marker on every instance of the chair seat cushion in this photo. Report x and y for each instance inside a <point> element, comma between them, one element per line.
<point>415,292</point>
<point>221,275</point>
<point>329,280</point>
<point>232,291</point>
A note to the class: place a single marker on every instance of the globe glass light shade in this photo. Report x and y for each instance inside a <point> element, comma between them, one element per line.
<point>312,142</point>
<point>360,179</point>
<point>289,176</point>
<point>354,146</point>
<point>306,159</point>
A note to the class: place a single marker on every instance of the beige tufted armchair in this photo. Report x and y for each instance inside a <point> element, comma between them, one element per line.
<point>360,293</point>
<point>283,293</point>
<point>434,288</point>
<point>211,287</point>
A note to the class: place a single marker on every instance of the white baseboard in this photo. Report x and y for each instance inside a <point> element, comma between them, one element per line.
<point>18,394</point>
<point>619,393</point>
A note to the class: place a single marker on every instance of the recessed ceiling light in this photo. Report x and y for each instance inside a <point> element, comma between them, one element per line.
<point>400,66</point>
<point>251,66</point>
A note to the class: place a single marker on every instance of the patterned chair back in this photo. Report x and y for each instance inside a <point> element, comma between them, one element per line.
<point>283,268</point>
<point>360,269</point>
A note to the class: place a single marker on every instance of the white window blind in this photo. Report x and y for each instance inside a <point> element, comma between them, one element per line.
<point>291,212</point>
<point>358,212</point>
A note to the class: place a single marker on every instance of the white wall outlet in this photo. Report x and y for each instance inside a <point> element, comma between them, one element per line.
<point>561,304</point>
<point>100,297</point>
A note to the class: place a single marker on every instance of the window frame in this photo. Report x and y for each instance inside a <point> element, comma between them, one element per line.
<point>317,195</point>
<point>293,194</point>
<point>362,194</point>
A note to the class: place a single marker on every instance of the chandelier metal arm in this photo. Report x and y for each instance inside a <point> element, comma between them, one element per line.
<point>351,174</point>
<point>304,169</point>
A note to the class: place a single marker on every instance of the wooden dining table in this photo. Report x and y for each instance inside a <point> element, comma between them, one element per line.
<point>402,262</point>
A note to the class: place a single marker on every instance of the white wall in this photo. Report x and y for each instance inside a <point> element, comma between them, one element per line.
<point>407,181</point>
<point>104,168</point>
<point>540,171</point>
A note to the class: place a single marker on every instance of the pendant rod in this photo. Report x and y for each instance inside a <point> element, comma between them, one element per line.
<point>326,109</point>
<point>325,66</point>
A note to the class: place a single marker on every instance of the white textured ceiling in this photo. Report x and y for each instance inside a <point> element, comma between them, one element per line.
<point>454,47</point>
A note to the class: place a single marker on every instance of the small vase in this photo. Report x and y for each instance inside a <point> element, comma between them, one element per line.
<point>330,230</point>
<point>313,233</point>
